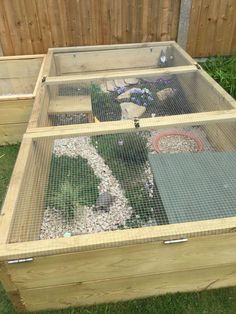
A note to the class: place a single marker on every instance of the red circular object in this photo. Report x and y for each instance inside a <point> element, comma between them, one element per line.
<point>156,139</point>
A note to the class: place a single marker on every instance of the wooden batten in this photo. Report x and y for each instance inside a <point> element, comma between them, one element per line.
<point>110,47</point>
<point>119,74</point>
<point>129,126</point>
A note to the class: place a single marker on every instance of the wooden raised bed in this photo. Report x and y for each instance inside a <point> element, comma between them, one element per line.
<point>19,80</point>
<point>116,265</point>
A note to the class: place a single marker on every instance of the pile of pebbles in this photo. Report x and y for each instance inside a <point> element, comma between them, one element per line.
<point>87,219</point>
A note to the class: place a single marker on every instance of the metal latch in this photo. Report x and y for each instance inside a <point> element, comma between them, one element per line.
<point>20,260</point>
<point>175,241</point>
<point>136,123</point>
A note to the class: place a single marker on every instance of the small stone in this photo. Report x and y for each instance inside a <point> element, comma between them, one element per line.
<point>127,94</point>
<point>165,93</point>
<point>120,83</point>
<point>129,110</point>
<point>131,81</point>
<point>104,201</point>
<point>67,235</point>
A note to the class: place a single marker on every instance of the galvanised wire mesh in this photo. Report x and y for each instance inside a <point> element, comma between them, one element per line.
<point>89,185</point>
<point>129,98</point>
<point>151,56</point>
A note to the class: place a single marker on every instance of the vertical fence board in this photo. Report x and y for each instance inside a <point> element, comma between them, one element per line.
<point>212,28</point>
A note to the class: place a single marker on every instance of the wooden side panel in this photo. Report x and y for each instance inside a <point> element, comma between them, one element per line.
<point>12,292</point>
<point>136,260</point>
<point>15,111</point>
<point>212,28</point>
<point>123,289</point>
<point>12,133</point>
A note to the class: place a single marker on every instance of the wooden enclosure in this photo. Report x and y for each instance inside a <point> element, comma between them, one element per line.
<point>117,265</point>
<point>19,80</point>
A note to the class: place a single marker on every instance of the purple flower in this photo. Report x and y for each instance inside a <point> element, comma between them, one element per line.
<point>136,91</point>
<point>138,102</point>
<point>121,90</point>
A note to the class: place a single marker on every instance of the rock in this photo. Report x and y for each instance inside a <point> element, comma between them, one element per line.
<point>120,83</point>
<point>127,94</point>
<point>131,81</point>
<point>104,201</point>
<point>129,110</point>
<point>165,93</point>
<point>111,87</point>
<point>104,88</point>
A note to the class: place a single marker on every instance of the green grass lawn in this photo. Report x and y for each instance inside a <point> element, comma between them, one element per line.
<point>220,301</point>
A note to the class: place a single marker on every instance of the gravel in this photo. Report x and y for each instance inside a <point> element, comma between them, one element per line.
<point>91,220</point>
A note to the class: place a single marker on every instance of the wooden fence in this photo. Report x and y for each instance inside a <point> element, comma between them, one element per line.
<point>32,26</point>
<point>212,28</point>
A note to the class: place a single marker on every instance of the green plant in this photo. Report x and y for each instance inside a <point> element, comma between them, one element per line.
<point>223,70</point>
<point>131,148</point>
<point>66,199</point>
<point>105,106</point>
<point>72,183</point>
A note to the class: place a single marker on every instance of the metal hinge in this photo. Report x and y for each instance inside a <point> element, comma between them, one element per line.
<point>175,241</point>
<point>44,78</point>
<point>20,260</point>
<point>198,66</point>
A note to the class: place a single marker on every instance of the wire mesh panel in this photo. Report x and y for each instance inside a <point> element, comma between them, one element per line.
<point>87,59</point>
<point>130,98</point>
<point>86,185</point>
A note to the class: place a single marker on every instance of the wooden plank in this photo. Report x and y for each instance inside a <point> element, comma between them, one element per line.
<point>122,262</point>
<point>110,47</point>
<point>40,108</point>
<point>23,57</point>
<point>12,292</point>
<point>17,86</point>
<point>112,239</point>
<point>128,288</point>
<point>15,111</point>
<point>16,97</point>
<point>12,133</point>
<point>128,125</point>
<point>66,104</point>
<point>40,76</point>
<point>119,74</point>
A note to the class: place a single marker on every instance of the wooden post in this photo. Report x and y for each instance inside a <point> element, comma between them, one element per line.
<point>185,10</point>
